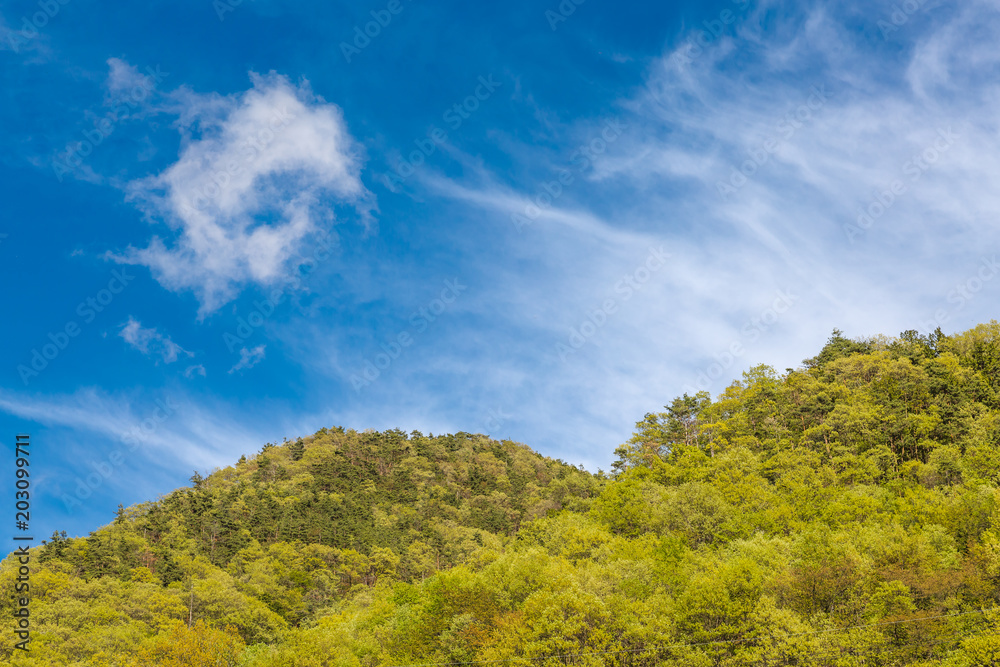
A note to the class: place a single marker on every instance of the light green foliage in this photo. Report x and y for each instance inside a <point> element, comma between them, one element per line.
<point>845,513</point>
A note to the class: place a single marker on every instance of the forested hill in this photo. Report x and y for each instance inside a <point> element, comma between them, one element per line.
<point>263,546</point>
<point>418,503</point>
<point>845,513</point>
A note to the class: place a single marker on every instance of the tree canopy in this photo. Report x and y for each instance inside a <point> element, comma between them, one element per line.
<point>843,513</point>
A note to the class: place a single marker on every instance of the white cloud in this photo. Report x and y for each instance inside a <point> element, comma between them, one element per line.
<point>25,39</point>
<point>123,77</point>
<point>251,186</point>
<point>180,431</point>
<point>798,207</point>
<point>197,369</point>
<point>249,358</point>
<point>785,229</point>
<point>151,342</point>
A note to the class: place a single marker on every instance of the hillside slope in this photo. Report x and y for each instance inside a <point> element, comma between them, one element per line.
<point>260,547</point>
<point>843,513</point>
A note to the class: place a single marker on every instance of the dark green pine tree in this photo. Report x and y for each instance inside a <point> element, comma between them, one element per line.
<point>297,449</point>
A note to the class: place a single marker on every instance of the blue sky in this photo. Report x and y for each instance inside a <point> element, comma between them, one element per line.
<point>231,223</point>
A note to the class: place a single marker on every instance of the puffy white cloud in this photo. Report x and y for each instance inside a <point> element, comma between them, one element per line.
<point>257,176</point>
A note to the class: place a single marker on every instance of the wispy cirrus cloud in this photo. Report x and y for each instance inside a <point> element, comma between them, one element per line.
<point>844,187</point>
<point>151,342</point>
<point>249,358</point>
<point>123,78</point>
<point>801,155</point>
<point>195,437</point>
<point>197,369</point>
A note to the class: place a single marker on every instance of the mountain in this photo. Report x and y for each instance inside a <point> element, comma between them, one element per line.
<point>843,513</point>
<point>264,545</point>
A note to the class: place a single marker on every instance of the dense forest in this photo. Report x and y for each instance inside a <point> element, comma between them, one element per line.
<point>843,513</point>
